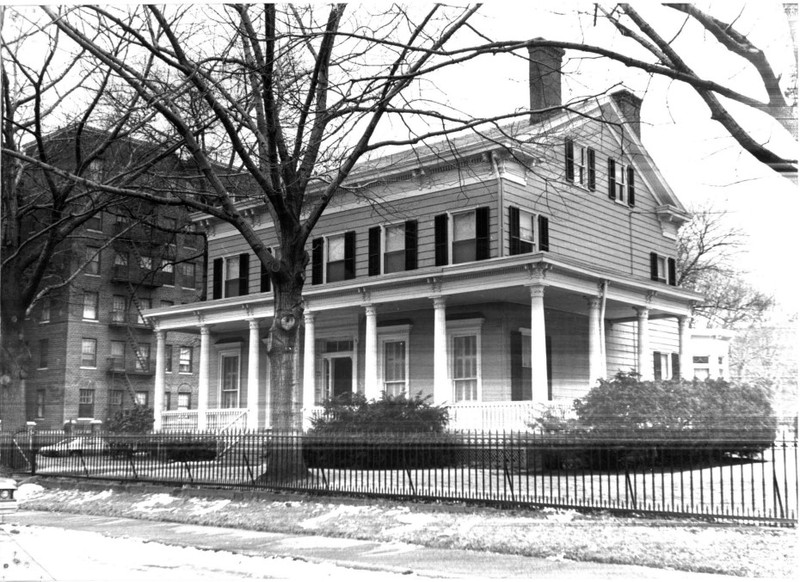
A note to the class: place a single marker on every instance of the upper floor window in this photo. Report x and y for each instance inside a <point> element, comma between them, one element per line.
<point>146,263</point>
<point>333,258</point>
<point>45,313</point>
<point>579,162</point>
<point>462,237</point>
<point>662,269</point>
<point>168,358</point>
<point>120,259</point>
<point>621,183</point>
<point>393,248</point>
<point>44,350</point>
<point>95,222</point>
<point>88,353</point>
<point>185,360</point>
<point>528,232</point>
<point>143,357</point>
<point>90,301</point>
<point>145,303</point>
<point>118,356</point>
<point>187,271</point>
<point>92,261</point>
<point>231,276</point>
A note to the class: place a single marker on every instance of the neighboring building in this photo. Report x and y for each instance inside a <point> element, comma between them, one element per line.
<point>92,351</point>
<point>711,353</point>
<point>495,276</point>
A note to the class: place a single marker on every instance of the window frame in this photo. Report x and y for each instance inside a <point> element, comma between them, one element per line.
<point>86,364</point>
<point>44,353</point>
<point>182,268</point>
<point>190,369</point>
<point>472,327</point>
<point>86,397</point>
<point>96,306</point>
<point>40,404</point>
<point>221,355</point>
<point>45,310</point>
<point>121,357</point>
<point>168,358</point>
<point>143,347</point>
<point>580,161</point>
<point>394,334</point>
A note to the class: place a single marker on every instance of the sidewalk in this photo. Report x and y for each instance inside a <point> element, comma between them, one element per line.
<point>394,557</point>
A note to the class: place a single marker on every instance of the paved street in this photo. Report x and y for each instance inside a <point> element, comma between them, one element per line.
<point>66,547</point>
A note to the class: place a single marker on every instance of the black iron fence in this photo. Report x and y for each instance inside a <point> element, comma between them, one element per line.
<point>714,478</point>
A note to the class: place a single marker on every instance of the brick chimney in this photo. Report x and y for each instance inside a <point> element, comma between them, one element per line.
<point>544,78</point>
<point>630,105</point>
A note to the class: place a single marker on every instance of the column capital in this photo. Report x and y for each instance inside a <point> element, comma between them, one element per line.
<point>253,323</point>
<point>308,317</point>
<point>160,334</point>
<point>369,309</point>
<point>205,329</point>
<point>593,302</point>
<point>439,301</point>
<point>536,289</point>
<point>642,312</point>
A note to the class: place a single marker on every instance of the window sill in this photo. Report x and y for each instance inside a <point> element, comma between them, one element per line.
<point>87,367</point>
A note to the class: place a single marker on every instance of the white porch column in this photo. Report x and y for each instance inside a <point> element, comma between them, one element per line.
<point>538,345</point>
<point>371,388</point>
<point>441,385</point>
<point>158,390</point>
<point>684,349</point>
<point>595,353</point>
<point>643,364</point>
<point>309,367</point>
<point>203,376</point>
<point>252,375</point>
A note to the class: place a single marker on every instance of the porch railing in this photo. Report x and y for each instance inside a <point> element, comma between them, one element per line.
<point>217,419</point>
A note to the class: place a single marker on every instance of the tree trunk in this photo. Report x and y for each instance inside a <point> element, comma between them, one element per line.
<point>14,363</point>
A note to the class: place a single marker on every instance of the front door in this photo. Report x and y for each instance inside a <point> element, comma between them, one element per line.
<point>341,379</point>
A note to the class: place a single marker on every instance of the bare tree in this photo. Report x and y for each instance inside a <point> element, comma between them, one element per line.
<point>707,262</point>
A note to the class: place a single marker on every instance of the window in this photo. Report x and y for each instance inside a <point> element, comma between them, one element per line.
<point>44,348</point>
<point>115,398</point>
<point>44,316</point>
<point>184,401</point>
<point>88,353</point>
<point>92,261</point>
<point>523,229</point>
<point>621,183</point>
<point>464,341</point>
<point>168,358</point>
<point>467,240</point>
<point>579,164</point>
<point>90,300</point>
<point>662,269</point>
<point>393,343</point>
<point>146,263</point>
<point>118,356</point>
<point>86,403</point>
<point>143,358</point>
<point>145,303</point>
<point>229,379</point>
<point>396,244</point>
<point>168,271</point>
<point>230,276</point>
<point>142,398</point>
<point>96,221</point>
<point>185,360</point>
<point>666,366</point>
<point>333,258</point>
<point>120,259</point>
<point>187,272</point>
<point>39,412</point>
<point>118,308</point>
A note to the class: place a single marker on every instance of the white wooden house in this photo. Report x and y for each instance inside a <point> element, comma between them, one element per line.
<point>491,274</point>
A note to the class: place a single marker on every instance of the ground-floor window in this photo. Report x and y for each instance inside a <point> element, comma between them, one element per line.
<point>86,403</point>
<point>465,367</point>
<point>338,375</point>
<point>229,379</point>
<point>393,345</point>
<point>40,394</point>
<point>184,401</point>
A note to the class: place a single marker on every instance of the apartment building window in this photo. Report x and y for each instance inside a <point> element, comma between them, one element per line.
<point>462,237</point>
<point>146,263</point>
<point>143,357</point>
<point>333,258</point>
<point>663,269</point>
<point>230,276</point>
<point>92,259</point>
<point>115,399</point>
<point>40,396</point>
<point>142,398</point>
<point>579,164</point>
<point>90,301</point>
<point>464,340</point>
<point>528,232</point>
<point>118,308</point>
<point>44,314</point>
<point>185,360</point>
<point>393,248</point>
<point>184,401</point>
<point>86,403</point>
<point>666,366</point>
<point>118,356</point>
<point>88,352</point>
<point>44,349</point>
<point>120,259</point>
<point>168,271</point>
<point>621,182</point>
<point>145,303</point>
<point>187,273</point>
<point>95,223</point>
<point>168,358</point>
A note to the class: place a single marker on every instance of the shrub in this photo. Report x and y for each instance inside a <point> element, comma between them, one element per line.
<point>352,413</point>
<point>136,420</point>
<point>187,449</point>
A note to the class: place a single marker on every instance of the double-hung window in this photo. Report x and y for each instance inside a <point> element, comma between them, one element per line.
<point>40,400</point>
<point>143,357</point>
<point>90,301</point>
<point>579,164</point>
<point>462,237</point>
<point>185,360</point>
<point>145,303</point>
<point>393,346</point>
<point>666,366</point>
<point>88,352</point>
<point>663,269</point>
<point>44,316</point>
<point>118,356</point>
<point>527,231</point>
<point>118,308</point>
<point>621,182</point>
<point>44,352</point>
<point>231,276</point>
<point>168,358</point>
<point>393,248</point>
<point>464,340</point>
<point>184,401</point>
<point>86,403</point>
<point>92,261</point>
<point>333,258</point>
<point>187,272</point>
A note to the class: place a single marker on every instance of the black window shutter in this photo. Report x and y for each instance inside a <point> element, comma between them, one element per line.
<point>265,282</point>
<point>569,159</point>
<point>676,366</point>
<point>350,254</point>
<point>440,238</point>
<point>244,274</point>
<point>612,194</point>
<point>544,233</point>
<point>516,365</point>
<point>374,251</point>
<point>482,233</point>
<point>672,279</point>
<point>654,266</point>
<point>657,365</point>
<point>590,173</point>
<point>317,247</point>
<point>216,289</point>
<point>631,187</point>
<point>513,231</point>
<point>411,245</point>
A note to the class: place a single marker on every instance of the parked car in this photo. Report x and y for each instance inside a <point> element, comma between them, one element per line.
<point>7,502</point>
<point>85,445</point>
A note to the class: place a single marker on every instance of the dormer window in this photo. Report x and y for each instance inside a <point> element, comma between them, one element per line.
<point>579,161</point>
